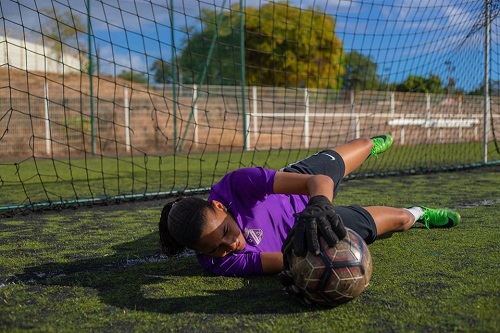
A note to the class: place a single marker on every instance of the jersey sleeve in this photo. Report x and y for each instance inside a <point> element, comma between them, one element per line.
<point>257,182</point>
<point>235,264</point>
<point>246,185</point>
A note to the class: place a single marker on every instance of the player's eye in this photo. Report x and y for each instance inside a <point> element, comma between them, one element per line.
<point>220,252</point>
<point>212,252</point>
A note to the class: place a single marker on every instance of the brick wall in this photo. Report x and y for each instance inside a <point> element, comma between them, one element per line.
<point>220,121</point>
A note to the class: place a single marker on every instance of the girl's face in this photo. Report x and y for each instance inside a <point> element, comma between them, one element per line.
<point>221,236</point>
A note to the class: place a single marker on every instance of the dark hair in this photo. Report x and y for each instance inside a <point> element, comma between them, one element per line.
<point>181,224</point>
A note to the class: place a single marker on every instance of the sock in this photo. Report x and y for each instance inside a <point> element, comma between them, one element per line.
<point>416,211</point>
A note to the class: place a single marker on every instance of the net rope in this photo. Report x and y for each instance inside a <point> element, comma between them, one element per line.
<point>105,101</point>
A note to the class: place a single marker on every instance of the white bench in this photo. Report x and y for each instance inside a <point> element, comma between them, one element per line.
<point>433,123</point>
<point>439,123</point>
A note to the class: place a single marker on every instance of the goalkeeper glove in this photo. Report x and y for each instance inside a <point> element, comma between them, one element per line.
<point>319,216</point>
<point>291,289</point>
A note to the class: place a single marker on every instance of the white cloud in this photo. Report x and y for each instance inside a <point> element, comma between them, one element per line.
<point>132,33</point>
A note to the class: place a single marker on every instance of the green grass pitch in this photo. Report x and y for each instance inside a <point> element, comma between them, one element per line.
<point>42,180</point>
<point>98,269</point>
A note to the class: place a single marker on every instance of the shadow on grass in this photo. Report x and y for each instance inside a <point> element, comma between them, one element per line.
<point>136,277</point>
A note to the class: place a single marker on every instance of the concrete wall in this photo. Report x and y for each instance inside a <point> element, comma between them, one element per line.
<point>30,56</point>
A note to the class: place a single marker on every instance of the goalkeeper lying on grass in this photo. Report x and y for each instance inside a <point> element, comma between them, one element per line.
<point>250,212</point>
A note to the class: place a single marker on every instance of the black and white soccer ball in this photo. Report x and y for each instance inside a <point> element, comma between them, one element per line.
<point>337,275</point>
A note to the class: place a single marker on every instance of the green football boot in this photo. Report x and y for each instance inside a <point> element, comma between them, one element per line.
<point>439,218</point>
<point>381,143</point>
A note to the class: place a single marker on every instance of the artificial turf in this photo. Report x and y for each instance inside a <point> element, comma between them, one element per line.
<point>98,269</point>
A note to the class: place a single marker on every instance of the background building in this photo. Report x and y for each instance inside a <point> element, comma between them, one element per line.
<point>39,55</point>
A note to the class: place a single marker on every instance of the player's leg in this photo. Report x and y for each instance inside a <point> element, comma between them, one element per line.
<point>341,160</point>
<point>355,152</point>
<point>374,221</point>
<point>390,219</point>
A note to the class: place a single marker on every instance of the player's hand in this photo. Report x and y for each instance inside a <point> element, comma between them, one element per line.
<point>318,218</point>
<point>286,279</point>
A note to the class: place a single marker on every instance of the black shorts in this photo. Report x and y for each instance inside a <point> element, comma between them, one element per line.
<point>330,163</point>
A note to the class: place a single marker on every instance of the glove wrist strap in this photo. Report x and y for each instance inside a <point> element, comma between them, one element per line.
<point>318,199</point>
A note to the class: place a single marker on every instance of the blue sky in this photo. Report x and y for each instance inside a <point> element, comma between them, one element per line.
<point>403,36</point>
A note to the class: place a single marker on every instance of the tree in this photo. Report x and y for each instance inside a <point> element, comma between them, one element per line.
<point>450,87</point>
<point>64,32</point>
<point>204,64</point>
<point>162,71</point>
<point>360,72</point>
<point>290,46</point>
<point>420,84</point>
<point>494,89</point>
<point>284,46</point>
<point>133,76</point>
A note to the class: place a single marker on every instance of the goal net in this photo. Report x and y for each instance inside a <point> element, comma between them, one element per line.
<point>112,100</point>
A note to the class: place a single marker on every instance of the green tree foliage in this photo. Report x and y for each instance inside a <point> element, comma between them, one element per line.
<point>290,46</point>
<point>360,72</point>
<point>494,89</point>
<point>205,62</point>
<point>284,46</point>
<point>420,84</point>
<point>133,76</point>
<point>162,71</point>
<point>65,32</point>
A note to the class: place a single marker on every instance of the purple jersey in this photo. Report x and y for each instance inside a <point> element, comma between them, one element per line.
<point>264,218</point>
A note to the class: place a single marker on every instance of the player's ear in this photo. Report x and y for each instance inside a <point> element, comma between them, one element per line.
<point>219,205</point>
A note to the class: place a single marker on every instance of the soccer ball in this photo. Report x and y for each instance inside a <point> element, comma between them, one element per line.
<point>337,275</point>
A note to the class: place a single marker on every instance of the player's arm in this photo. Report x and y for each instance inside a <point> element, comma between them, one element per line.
<point>295,183</point>
<point>319,216</point>
<point>272,262</point>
